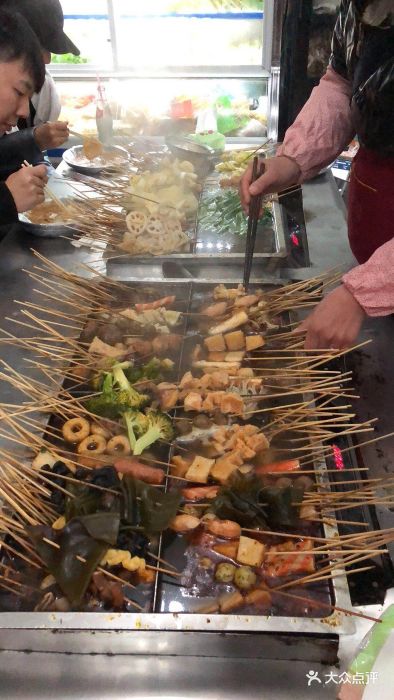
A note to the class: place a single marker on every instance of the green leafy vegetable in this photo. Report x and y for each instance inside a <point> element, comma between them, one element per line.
<point>239,500</point>
<point>147,507</point>
<point>222,212</point>
<point>83,502</point>
<point>245,500</point>
<point>153,370</point>
<point>87,537</point>
<point>282,510</point>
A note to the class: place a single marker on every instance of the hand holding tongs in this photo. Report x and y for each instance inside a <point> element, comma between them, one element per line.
<point>253,220</point>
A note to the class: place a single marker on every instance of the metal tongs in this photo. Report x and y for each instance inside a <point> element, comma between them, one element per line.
<point>253,220</point>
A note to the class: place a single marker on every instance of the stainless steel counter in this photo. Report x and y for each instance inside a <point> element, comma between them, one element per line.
<point>60,675</point>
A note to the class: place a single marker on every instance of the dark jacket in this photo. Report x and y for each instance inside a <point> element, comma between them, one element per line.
<point>8,211</point>
<point>15,148</point>
<point>364,55</point>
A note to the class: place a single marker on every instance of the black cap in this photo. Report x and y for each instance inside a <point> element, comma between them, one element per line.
<point>46,20</point>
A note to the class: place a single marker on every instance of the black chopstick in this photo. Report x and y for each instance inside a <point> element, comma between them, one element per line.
<point>253,220</point>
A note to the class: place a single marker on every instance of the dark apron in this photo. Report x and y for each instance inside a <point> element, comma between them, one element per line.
<point>370,203</point>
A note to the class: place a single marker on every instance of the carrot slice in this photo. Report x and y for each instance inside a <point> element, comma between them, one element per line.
<point>288,465</point>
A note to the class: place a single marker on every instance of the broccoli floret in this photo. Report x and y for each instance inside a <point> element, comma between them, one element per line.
<point>136,424</point>
<point>159,428</point>
<point>110,404</point>
<point>137,400</point>
<point>152,370</point>
<point>114,402</point>
<point>134,374</point>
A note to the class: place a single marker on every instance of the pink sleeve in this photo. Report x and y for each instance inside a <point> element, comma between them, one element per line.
<point>372,284</point>
<point>323,128</point>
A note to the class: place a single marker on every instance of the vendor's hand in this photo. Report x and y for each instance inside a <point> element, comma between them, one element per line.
<point>51,135</point>
<point>27,187</point>
<point>335,322</point>
<point>280,172</point>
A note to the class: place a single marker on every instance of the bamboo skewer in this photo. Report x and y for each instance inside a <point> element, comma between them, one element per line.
<point>297,417</point>
<point>316,603</point>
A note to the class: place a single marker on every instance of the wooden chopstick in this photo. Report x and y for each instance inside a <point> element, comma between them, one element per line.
<point>253,220</point>
<point>78,135</point>
<point>256,150</point>
<point>47,189</point>
<point>289,190</point>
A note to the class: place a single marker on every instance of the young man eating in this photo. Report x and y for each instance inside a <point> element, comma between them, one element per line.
<point>22,72</point>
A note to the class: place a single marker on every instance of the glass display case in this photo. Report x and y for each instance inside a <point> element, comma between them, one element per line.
<point>165,62</point>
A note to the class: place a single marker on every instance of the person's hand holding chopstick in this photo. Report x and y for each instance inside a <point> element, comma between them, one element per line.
<point>27,187</point>
<point>280,172</point>
<point>51,135</point>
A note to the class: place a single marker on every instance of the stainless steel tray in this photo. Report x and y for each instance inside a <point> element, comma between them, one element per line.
<point>215,253</point>
<point>181,633</point>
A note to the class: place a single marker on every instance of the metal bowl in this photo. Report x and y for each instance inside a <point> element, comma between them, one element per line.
<point>42,230</point>
<point>75,159</point>
<point>201,156</point>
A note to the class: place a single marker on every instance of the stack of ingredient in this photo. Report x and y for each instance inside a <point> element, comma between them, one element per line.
<point>160,202</point>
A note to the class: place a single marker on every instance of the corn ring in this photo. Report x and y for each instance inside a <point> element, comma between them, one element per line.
<point>92,445</point>
<point>76,430</point>
<point>118,445</point>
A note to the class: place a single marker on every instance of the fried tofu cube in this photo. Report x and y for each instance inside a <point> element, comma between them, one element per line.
<point>259,597</point>
<point>250,551</point>
<point>192,401</point>
<point>230,601</point>
<point>254,341</point>
<point>235,356</point>
<point>215,343</point>
<point>216,356</point>
<point>235,340</point>
<point>245,373</point>
<point>179,465</point>
<point>227,549</point>
<point>225,466</point>
<point>199,469</point>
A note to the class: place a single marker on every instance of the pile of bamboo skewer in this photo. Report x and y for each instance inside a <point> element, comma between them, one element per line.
<point>306,427</point>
